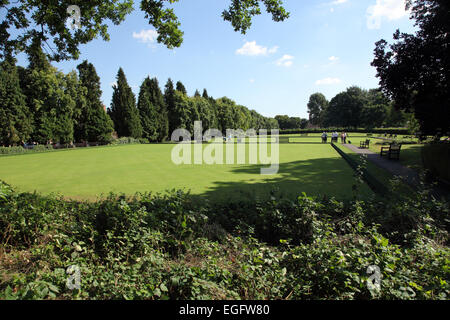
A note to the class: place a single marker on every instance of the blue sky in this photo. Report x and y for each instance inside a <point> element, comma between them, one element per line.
<point>325,46</point>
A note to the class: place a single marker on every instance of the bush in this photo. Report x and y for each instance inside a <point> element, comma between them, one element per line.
<point>126,140</point>
<point>172,246</point>
<point>20,149</point>
<point>143,141</point>
<point>436,159</point>
<point>355,130</point>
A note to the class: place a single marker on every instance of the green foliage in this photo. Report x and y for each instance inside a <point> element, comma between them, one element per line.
<point>436,159</point>
<point>379,131</point>
<point>414,69</point>
<point>50,98</point>
<point>92,122</point>
<point>147,112</point>
<point>240,13</point>
<point>286,122</point>
<point>15,117</point>
<point>317,107</point>
<point>19,149</point>
<point>97,16</point>
<point>172,247</point>
<point>123,110</point>
<point>128,140</point>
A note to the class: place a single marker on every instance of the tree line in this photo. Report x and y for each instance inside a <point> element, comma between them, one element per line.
<point>42,104</point>
<point>355,107</point>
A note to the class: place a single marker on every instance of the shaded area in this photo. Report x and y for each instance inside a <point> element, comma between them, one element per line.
<point>325,177</point>
<point>408,175</point>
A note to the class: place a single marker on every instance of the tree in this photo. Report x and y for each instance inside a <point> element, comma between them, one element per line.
<point>50,99</point>
<point>15,118</point>
<point>345,109</point>
<point>96,16</point>
<point>157,100</point>
<point>123,110</point>
<point>205,94</point>
<point>92,121</point>
<point>225,114</point>
<point>180,87</point>
<point>415,70</point>
<point>374,113</point>
<point>147,111</point>
<point>197,93</point>
<point>205,112</point>
<point>169,99</point>
<point>317,106</point>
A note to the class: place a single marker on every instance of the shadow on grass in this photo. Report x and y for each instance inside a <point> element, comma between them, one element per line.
<point>329,177</point>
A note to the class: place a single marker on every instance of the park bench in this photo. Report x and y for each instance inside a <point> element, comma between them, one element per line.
<point>392,152</point>
<point>364,144</point>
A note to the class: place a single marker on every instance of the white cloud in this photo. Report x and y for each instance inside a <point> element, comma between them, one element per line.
<point>328,81</point>
<point>273,49</point>
<point>252,49</point>
<point>252,80</point>
<point>285,61</point>
<point>333,58</point>
<point>336,2</point>
<point>146,36</point>
<point>390,9</point>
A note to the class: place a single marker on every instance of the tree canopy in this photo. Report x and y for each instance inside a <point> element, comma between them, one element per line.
<point>415,70</point>
<point>45,23</point>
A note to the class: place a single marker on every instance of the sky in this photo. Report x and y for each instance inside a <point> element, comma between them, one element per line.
<point>324,46</point>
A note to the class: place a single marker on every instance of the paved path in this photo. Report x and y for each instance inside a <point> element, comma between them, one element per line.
<point>393,166</point>
<point>410,176</point>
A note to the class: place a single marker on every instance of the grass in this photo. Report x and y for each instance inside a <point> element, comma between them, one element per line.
<point>88,173</point>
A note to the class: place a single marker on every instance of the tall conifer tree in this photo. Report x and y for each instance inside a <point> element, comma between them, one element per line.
<point>93,123</point>
<point>15,118</point>
<point>123,110</point>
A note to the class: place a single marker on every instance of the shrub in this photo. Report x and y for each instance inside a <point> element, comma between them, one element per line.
<point>126,140</point>
<point>20,149</point>
<point>172,246</point>
<point>436,159</point>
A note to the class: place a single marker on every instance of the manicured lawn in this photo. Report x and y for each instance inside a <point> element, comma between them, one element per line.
<point>86,173</point>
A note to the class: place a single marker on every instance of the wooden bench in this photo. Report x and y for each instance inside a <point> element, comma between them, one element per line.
<point>393,151</point>
<point>364,144</point>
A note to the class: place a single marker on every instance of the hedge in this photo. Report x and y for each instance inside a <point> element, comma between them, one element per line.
<point>436,159</point>
<point>357,130</point>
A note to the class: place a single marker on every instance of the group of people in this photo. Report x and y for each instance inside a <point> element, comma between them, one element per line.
<point>334,137</point>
